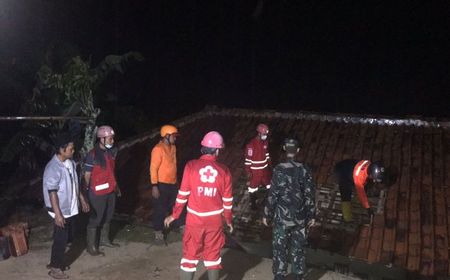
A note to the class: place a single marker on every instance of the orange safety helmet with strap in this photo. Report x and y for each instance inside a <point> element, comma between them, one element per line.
<point>168,130</point>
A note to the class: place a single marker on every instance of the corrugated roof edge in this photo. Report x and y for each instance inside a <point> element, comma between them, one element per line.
<point>301,115</point>
<point>338,117</point>
<point>155,132</point>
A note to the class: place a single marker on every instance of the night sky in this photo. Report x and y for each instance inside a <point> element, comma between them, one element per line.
<point>349,57</point>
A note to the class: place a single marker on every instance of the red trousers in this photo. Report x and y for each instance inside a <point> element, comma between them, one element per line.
<point>202,243</point>
<point>260,178</point>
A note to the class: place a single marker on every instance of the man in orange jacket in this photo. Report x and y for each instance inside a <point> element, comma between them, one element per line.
<point>163,178</point>
<point>356,174</point>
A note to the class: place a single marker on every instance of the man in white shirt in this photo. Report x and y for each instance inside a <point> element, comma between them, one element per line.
<point>62,198</point>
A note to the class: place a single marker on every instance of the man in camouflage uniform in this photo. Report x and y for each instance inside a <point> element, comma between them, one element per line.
<point>290,207</point>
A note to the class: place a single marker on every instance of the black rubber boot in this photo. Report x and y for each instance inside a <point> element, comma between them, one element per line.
<point>185,275</point>
<point>104,237</point>
<point>91,240</point>
<point>213,274</point>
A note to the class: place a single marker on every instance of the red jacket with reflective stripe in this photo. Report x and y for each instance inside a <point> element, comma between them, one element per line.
<point>257,155</point>
<point>103,180</point>
<point>206,188</point>
<point>360,179</point>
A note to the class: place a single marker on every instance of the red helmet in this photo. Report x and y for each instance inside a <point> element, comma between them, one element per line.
<point>262,128</point>
<point>105,131</point>
<point>213,139</point>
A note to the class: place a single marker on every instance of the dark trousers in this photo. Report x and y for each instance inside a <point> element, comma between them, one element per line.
<point>163,206</point>
<point>343,171</point>
<point>60,238</point>
<point>102,208</point>
<point>346,192</point>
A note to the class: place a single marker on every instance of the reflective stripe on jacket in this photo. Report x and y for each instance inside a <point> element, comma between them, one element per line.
<point>206,188</point>
<point>360,179</point>
<point>103,180</point>
<point>257,155</point>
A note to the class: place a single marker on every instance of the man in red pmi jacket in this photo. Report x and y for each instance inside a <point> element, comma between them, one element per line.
<point>206,188</point>
<point>257,163</point>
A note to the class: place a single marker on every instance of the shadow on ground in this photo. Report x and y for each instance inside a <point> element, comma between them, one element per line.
<point>78,244</point>
<point>233,266</point>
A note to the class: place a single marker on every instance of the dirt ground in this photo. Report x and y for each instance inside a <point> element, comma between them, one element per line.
<point>137,258</point>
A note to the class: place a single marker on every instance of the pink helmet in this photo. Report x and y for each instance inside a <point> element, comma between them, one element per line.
<point>105,131</point>
<point>213,139</point>
<point>262,128</point>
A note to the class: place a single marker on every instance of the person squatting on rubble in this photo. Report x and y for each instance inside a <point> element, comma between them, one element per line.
<point>207,191</point>
<point>290,208</point>
<point>257,163</point>
<point>163,179</point>
<point>62,199</point>
<point>101,184</point>
<point>356,174</point>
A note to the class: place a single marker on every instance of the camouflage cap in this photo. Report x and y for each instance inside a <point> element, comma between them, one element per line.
<point>291,145</point>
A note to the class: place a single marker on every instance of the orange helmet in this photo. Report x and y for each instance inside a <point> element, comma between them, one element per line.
<point>168,130</point>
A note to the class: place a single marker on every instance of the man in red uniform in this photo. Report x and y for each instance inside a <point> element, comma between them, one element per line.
<point>356,174</point>
<point>257,163</point>
<point>206,188</point>
<point>102,189</point>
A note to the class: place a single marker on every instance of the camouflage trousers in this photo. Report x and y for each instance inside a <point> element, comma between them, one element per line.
<point>285,240</point>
